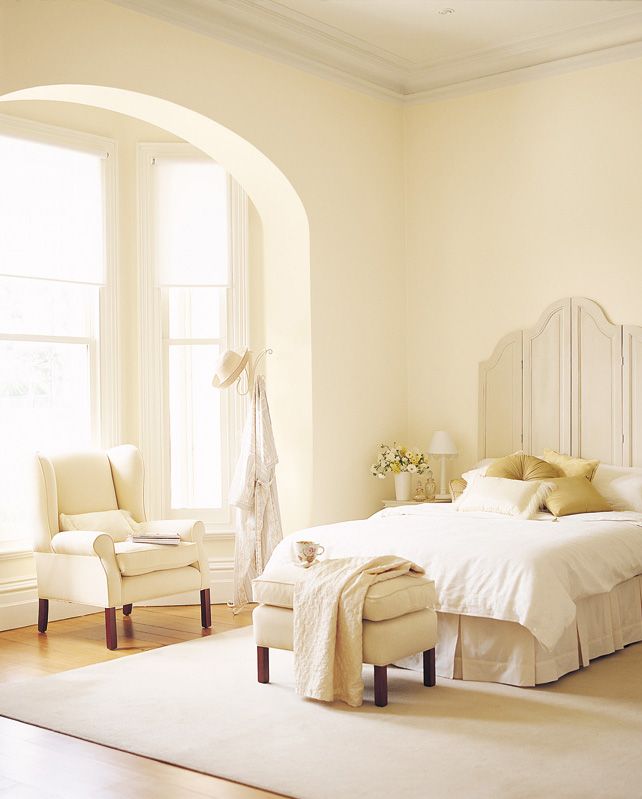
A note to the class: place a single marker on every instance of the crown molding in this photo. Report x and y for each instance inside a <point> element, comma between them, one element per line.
<point>525,74</point>
<point>284,39</point>
<point>270,29</point>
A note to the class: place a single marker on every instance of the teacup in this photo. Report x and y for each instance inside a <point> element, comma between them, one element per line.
<point>307,551</point>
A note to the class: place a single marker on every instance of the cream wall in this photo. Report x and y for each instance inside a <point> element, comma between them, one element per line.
<point>341,151</point>
<point>514,198</point>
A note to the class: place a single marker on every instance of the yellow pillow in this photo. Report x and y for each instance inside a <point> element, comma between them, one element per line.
<point>571,467</point>
<point>575,495</point>
<point>520,466</point>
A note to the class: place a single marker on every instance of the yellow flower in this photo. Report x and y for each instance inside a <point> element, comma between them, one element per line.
<point>395,468</point>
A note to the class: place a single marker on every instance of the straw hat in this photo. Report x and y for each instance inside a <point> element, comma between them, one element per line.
<point>229,368</point>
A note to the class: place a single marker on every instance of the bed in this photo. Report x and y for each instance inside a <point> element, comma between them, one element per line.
<point>526,601</point>
<point>521,601</point>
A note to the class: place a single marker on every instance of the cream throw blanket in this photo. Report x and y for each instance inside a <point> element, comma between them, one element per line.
<point>328,626</point>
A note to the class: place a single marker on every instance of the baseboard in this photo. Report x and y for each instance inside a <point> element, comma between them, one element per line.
<point>19,597</point>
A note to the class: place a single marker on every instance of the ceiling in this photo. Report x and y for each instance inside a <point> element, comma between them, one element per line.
<point>418,49</point>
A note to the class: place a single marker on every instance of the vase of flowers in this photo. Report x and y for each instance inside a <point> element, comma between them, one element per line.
<point>403,463</point>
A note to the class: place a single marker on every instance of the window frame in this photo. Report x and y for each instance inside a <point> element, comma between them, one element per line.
<point>154,344</point>
<point>102,342</point>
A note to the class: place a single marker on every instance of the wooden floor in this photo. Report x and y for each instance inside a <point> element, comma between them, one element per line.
<point>39,764</point>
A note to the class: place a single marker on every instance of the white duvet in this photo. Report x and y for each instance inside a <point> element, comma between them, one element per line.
<point>484,564</point>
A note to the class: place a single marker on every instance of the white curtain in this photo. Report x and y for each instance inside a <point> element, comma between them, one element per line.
<point>254,493</point>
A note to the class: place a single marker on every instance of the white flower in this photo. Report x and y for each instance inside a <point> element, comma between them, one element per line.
<point>412,468</point>
<point>390,456</point>
<point>381,476</point>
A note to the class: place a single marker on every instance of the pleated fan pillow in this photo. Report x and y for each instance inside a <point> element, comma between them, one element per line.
<point>520,466</point>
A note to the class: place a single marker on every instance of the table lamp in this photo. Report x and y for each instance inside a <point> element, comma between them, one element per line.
<point>442,445</point>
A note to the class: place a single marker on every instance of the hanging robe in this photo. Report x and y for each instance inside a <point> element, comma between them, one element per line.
<point>253,492</point>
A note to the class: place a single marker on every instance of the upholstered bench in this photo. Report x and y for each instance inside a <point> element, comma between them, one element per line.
<point>398,621</point>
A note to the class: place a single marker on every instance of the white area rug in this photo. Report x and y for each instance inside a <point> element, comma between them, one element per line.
<point>198,705</point>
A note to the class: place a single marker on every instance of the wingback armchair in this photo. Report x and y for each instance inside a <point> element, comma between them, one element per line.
<point>92,567</point>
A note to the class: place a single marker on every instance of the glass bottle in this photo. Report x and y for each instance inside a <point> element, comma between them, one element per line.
<point>430,487</point>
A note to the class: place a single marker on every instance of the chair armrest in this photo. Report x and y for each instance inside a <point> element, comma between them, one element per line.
<point>187,529</point>
<point>90,544</point>
<point>84,542</point>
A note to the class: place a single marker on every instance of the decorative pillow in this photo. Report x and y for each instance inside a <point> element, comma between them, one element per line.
<point>620,485</point>
<point>119,524</point>
<point>478,470</point>
<point>571,467</point>
<point>520,466</point>
<point>502,495</point>
<point>457,488</point>
<point>575,495</point>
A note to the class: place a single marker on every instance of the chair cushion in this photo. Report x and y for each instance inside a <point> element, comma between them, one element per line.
<point>387,599</point>
<point>116,523</point>
<point>134,559</point>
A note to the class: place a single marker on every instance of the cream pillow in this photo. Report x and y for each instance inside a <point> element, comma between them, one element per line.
<point>501,495</point>
<point>571,467</point>
<point>520,466</point>
<point>119,524</point>
<point>620,485</point>
<point>575,495</point>
<point>478,470</point>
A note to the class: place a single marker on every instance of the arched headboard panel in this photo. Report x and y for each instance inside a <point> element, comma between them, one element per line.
<point>572,382</point>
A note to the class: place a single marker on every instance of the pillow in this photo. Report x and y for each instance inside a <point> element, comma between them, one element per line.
<point>620,485</point>
<point>501,495</point>
<point>119,524</point>
<point>457,488</point>
<point>575,495</point>
<point>571,467</point>
<point>478,470</point>
<point>520,466</point>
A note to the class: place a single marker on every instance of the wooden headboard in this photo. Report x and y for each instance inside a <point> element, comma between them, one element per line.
<point>573,383</point>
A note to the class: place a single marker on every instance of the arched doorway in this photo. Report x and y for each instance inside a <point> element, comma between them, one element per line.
<point>286,256</point>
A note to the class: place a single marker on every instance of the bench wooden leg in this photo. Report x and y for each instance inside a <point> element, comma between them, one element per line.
<point>127,609</point>
<point>429,668</point>
<point>381,685</point>
<point>43,615</point>
<point>206,609</point>
<point>263,664</point>
<point>111,637</point>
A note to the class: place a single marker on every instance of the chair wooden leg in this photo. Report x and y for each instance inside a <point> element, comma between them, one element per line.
<point>381,685</point>
<point>429,668</point>
<point>110,628</point>
<point>127,609</point>
<point>206,609</point>
<point>43,615</point>
<point>263,663</point>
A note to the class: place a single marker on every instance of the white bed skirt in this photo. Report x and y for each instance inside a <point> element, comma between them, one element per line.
<point>488,650</point>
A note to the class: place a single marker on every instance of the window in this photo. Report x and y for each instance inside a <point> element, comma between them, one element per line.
<point>55,302</point>
<point>193,231</point>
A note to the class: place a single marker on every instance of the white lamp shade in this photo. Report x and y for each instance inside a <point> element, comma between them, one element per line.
<point>441,443</point>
